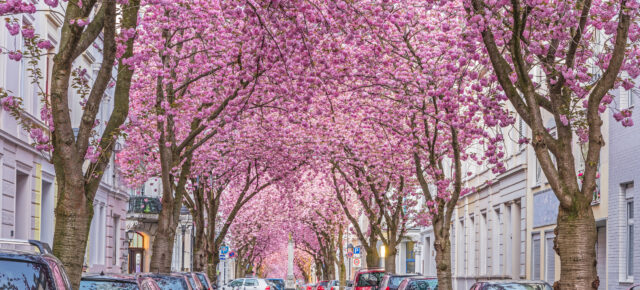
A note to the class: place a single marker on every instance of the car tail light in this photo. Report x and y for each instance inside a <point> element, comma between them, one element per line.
<point>268,288</point>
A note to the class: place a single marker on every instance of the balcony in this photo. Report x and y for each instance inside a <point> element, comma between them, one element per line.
<point>144,205</point>
<point>144,209</point>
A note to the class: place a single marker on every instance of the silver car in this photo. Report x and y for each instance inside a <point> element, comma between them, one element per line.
<point>248,284</point>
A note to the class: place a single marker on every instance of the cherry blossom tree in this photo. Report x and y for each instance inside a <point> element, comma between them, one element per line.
<point>560,60</point>
<point>109,26</point>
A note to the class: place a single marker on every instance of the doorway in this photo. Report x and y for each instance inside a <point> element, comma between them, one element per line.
<point>136,260</point>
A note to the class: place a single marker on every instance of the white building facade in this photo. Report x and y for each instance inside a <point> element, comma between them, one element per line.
<point>28,192</point>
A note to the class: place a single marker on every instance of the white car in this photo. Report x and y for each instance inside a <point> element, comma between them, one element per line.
<point>248,284</point>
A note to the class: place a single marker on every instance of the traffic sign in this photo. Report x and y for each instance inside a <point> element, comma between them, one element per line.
<point>356,251</point>
<point>224,249</point>
<point>349,251</point>
<point>232,255</point>
<point>223,257</point>
<point>349,255</point>
<point>356,262</point>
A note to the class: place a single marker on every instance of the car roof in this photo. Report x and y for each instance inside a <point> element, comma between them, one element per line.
<point>370,270</point>
<point>416,277</point>
<point>109,277</point>
<point>513,281</point>
<point>26,256</point>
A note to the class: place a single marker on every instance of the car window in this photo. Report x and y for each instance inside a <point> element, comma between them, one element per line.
<point>236,283</point>
<point>25,275</point>
<point>394,282</point>
<point>104,285</point>
<point>251,282</point>
<point>60,278</point>
<point>423,285</point>
<point>369,279</point>
<point>324,283</point>
<point>191,281</point>
<point>203,280</point>
<point>171,282</point>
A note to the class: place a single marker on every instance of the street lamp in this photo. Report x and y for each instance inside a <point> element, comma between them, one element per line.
<point>382,255</point>
<point>130,235</point>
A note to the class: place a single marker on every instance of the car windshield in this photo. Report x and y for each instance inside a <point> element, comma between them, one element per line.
<point>171,282</point>
<point>370,279</point>
<point>104,285</point>
<point>518,286</point>
<point>24,275</point>
<point>323,283</point>
<point>278,282</point>
<point>191,281</point>
<point>203,280</point>
<point>430,284</point>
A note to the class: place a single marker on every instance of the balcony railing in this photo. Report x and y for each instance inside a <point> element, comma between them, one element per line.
<point>144,204</point>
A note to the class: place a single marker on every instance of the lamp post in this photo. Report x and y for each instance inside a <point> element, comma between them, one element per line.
<point>130,234</point>
<point>382,255</point>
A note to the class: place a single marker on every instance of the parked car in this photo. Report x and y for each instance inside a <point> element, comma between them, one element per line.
<point>193,280</point>
<point>204,281</point>
<point>511,284</point>
<point>634,287</point>
<point>418,283</point>
<point>117,281</point>
<point>310,286</point>
<point>30,265</point>
<point>248,284</point>
<point>171,281</point>
<point>333,285</point>
<point>322,285</point>
<point>349,285</point>
<point>278,282</point>
<point>368,279</point>
<point>392,281</point>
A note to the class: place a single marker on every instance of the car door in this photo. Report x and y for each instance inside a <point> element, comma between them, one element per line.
<point>251,284</point>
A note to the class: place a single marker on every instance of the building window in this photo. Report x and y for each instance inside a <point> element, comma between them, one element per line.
<point>115,257</point>
<point>461,248</point>
<point>496,241</point>
<point>629,242</point>
<point>535,256</point>
<point>550,258</point>
<point>472,247</point>
<point>411,257</point>
<point>483,244</point>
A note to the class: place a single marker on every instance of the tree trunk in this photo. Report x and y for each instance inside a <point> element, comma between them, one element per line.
<point>341,265</point>
<point>162,253</point>
<point>319,270</point>
<point>390,258</point>
<point>212,267</point>
<point>442,245</point>
<point>575,244</point>
<point>73,220</point>
<point>373,260</point>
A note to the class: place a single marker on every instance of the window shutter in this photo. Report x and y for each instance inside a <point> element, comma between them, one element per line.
<point>550,257</point>
<point>624,99</point>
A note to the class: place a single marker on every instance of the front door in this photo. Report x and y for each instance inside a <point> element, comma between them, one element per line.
<point>136,260</point>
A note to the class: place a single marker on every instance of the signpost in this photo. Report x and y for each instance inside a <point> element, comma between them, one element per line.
<point>356,262</point>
